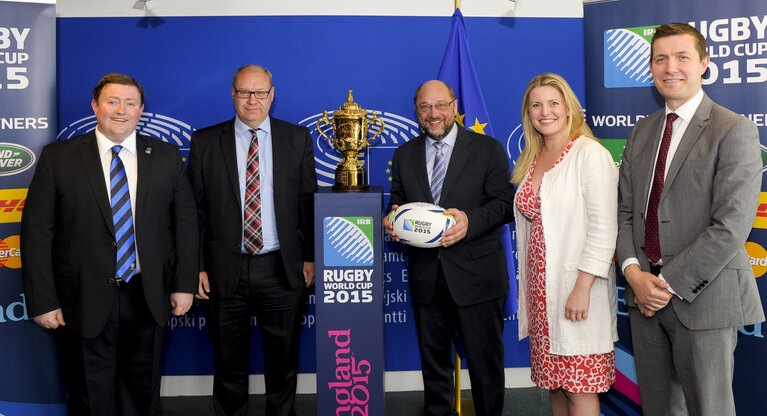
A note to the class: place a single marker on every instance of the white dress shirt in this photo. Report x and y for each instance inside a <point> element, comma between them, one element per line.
<point>130,163</point>
<point>685,112</point>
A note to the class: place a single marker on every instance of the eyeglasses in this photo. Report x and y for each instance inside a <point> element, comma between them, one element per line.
<point>424,108</point>
<point>245,94</point>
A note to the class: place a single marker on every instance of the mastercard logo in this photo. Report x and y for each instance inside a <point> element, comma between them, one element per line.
<point>10,253</point>
<point>757,255</point>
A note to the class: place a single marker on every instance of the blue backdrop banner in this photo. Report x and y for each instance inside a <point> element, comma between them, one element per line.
<point>620,92</point>
<point>31,374</point>
<point>186,63</point>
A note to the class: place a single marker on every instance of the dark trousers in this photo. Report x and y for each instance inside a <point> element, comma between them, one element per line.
<point>263,288</point>
<point>118,372</point>
<point>480,327</point>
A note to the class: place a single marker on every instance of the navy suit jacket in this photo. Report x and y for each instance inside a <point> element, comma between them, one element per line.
<point>67,235</point>
<point>213,173</point>
<point>477,183</point>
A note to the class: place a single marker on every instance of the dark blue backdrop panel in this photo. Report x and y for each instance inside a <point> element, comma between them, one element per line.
<point>186,64</point>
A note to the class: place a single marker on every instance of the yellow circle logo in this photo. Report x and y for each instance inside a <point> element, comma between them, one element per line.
<point>757,255</point>
<point>10,254</point>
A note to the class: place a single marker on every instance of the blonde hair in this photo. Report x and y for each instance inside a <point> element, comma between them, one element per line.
<point>576,124</point>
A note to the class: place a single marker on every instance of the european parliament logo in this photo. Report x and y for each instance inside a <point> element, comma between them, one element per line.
<point>348,241</point>
<point>627,57</point>
<point>155,125</point>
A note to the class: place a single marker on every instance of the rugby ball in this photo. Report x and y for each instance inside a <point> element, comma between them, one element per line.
<point>420,224</point>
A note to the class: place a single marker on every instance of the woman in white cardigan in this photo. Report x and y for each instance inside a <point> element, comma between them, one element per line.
<point>566,221</point>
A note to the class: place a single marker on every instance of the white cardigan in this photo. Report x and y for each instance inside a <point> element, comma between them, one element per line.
<point>579,208</point>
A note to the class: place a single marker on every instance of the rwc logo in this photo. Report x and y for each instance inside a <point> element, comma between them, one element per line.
<point>348,241</point>
<point>627,57</point>
<point>167,129</point>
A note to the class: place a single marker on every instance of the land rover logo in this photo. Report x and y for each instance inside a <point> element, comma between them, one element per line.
<point>764,158</point>
<point>15,158</point>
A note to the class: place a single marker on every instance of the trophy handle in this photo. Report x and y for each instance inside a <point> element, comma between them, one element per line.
<point>327,122</point>
<point>373,121</point>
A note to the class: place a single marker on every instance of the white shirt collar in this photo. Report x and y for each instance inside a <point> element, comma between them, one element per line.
<point>106,145</point>
<point>687,110</point>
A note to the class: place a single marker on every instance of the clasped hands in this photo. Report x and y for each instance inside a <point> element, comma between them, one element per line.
<point>650,292</point>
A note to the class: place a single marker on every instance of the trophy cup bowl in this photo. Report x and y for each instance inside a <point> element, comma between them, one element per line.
<point>350,129</point>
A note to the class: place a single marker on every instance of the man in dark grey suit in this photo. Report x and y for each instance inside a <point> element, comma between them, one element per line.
<point>461,285</point>
<point>688,193</point>
<point>254,182</point>
<point>110,320</point>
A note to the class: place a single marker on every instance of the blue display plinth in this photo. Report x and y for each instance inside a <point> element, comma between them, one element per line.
<point>349,302</point>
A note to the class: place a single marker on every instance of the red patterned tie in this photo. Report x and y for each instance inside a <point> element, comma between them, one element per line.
<point>651,239</point>
<point>253,238</point>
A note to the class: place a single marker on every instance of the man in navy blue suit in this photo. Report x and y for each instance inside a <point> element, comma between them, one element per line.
<point>461,285</point>
<point>110,322</point>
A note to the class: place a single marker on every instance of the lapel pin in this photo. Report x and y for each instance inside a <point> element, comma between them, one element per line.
<point>148,150</point>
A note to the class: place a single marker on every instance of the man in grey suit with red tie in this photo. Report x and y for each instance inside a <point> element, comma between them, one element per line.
<point>460,286</point>
<point>254,181</point>
<point>688,193</point>
<point>109,247</point>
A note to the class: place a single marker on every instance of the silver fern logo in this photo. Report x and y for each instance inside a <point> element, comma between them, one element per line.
<point>348,241</point>
<point>155,125</point>
<point>627,57</point>
<point>398,130</point>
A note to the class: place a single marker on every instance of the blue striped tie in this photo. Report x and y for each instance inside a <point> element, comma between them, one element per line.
<point>438,173</point>
<point>122,217</point>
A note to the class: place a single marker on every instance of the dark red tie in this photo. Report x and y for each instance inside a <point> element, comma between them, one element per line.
<point>651,239</point>
<point>252,236</point>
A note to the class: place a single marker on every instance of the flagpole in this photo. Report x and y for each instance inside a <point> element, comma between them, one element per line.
<point>457,4</point>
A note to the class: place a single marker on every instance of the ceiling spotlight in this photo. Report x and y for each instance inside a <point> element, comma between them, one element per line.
<point>140,5</point>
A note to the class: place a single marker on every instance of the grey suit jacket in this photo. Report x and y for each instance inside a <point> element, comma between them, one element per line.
<point>706,212</point>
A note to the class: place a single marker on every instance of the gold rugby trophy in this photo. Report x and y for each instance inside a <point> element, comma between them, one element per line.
<point>350,131</point>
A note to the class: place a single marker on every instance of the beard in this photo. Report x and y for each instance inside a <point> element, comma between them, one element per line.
<point>438,135</point>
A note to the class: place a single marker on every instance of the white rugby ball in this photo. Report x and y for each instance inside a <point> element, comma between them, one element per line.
<point>420,224</point>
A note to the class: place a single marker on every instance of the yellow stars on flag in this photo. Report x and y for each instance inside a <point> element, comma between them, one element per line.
<point>388,171</point>
<point>459,119</point>
<point>477,127</point>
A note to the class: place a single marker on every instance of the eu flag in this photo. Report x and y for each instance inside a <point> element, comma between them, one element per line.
<point>457,70</point>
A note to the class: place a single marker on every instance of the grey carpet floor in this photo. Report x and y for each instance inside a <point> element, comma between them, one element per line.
<point>518,402</point>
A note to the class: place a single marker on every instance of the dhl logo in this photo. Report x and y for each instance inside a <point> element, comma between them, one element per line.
<point>10,252</point>
<point>11,204</point>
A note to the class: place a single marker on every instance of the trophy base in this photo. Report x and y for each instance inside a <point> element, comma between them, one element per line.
<point>350,181</point>
<point>342,188</point>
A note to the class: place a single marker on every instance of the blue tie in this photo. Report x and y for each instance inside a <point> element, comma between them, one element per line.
<point>438,172</point>
<point>122,218</point>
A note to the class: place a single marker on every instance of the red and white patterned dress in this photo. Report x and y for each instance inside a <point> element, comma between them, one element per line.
<point>580,373</point>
